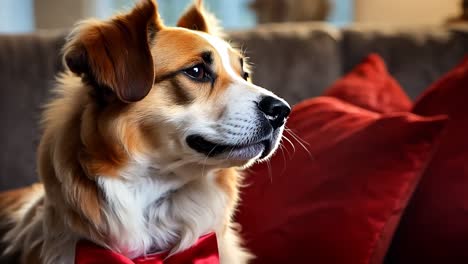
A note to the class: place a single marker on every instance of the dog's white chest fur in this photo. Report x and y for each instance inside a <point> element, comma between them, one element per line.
<point>151,212</point>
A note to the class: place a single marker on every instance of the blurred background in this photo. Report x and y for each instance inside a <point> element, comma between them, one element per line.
<point>30,15</point>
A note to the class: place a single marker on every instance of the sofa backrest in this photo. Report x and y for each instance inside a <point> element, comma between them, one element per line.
<point>300,60</point>
<point>296,61</point>
<point>28,64</point>
<point>415,57</point>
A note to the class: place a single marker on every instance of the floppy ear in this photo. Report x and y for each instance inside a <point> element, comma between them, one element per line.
<point>197,18</point>
<point>116,54</point>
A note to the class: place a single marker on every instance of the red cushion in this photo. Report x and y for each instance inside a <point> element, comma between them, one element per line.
<point>340,204</point>
<point>371,87</point>
<point>435,227</point>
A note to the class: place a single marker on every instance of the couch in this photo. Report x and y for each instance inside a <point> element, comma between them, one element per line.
<point>296,61</point>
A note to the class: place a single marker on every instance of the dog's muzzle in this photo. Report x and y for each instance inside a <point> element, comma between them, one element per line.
<point>258,144</point>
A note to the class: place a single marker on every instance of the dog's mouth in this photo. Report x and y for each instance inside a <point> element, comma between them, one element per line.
<point>259,149</point>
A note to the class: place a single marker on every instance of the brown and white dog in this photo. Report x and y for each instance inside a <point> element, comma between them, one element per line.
<point>142,145</point>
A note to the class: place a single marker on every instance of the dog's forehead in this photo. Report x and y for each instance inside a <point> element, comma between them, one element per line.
<point>177,47</point>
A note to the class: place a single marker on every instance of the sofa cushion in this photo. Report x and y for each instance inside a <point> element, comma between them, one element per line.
<point>337,194</point>
<point>434,229</point>
<point>370,86</point>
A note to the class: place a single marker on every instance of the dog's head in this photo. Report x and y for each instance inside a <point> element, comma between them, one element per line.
<point>183,92</point>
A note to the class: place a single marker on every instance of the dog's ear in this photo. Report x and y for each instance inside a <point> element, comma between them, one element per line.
<point>116,54</point>
<point>197,18</point>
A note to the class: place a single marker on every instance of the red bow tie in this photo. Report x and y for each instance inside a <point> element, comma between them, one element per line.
<point>205,251</point>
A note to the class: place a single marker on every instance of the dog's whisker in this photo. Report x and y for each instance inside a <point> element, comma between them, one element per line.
<point>174,165</point>
<point>206,159</point>
<point>296,136</point>
<point>204,166</point>
<point>270,172</point>
<point>300,141</point>
<point>286,148</point>
<point>292,145</point>
<point>281,147</point>
<point>230,153</point>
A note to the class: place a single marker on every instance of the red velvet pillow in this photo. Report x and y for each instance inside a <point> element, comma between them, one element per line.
<point>370,86</point>
<point>341,203</point>
<point>435,227</point>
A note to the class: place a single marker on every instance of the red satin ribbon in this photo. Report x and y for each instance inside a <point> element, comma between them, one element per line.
<point>205,251</point>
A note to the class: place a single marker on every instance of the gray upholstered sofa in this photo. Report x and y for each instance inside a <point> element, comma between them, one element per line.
<point>296,61</point>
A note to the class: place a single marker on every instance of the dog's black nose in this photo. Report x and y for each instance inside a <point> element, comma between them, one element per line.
<point>275,110</point>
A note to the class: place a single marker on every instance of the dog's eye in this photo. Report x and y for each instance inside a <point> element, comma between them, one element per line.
<point>246,75</point>
<point>198,73</point>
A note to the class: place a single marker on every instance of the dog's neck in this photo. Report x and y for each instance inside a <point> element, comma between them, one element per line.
<point>150,209</point>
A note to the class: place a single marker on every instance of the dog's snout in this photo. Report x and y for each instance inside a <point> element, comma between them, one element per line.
<point>275,110</point>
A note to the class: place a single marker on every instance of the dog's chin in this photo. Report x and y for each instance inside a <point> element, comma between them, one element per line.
<point>237,154</point>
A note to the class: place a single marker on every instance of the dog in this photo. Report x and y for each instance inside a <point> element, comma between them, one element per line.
<point>144,141</point>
